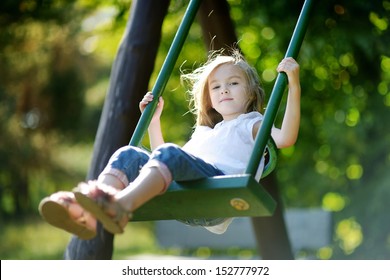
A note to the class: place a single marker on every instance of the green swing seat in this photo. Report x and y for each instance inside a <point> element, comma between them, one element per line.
<point>219,196</point>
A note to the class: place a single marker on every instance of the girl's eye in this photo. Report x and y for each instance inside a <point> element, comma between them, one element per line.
<point>216,87</point>
<point>234,83</point>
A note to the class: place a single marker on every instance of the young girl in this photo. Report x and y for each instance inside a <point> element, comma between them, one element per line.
<point>227,98</point>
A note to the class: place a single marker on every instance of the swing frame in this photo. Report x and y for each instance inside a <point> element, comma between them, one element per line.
<point>219,196</point>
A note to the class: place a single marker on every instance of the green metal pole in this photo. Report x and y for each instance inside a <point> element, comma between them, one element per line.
<point>165,71</point>
<point>278,89</point>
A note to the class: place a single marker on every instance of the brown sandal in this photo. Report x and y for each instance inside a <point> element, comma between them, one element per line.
<point>55,210</point>
<point>96,198</point>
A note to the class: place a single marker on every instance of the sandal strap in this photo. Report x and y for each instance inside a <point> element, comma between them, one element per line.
<point>63,198</point>
<point>103,195</point>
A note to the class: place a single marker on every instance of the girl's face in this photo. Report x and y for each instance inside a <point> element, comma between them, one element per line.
<point>227,88</point>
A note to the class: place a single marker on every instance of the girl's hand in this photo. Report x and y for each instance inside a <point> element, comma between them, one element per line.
<point>287,135</point>
<point>291,68</point>
<point>148,97</point>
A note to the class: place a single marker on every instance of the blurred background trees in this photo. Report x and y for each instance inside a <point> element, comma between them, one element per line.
<point>56,56</point>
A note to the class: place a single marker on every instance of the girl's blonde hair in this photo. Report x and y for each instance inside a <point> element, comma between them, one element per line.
<point>199,91</point>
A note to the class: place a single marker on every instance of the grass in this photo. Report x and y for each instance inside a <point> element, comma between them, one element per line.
<point>33,239</point>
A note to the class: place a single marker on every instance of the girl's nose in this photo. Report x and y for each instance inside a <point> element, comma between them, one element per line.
<point>224,91</point>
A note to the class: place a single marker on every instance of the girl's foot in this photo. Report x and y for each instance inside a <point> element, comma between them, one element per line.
<point>62,210</point>
<point>98,199</point>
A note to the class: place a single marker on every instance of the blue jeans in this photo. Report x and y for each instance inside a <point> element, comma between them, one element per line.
<point>183,167</point>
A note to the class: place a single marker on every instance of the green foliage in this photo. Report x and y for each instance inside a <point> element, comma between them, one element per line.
<point>49,92</point>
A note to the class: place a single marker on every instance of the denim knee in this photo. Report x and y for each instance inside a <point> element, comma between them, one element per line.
<point>170,155</point>
<point>182,165</point>
<point>166,152</point>
<point>129,160</point>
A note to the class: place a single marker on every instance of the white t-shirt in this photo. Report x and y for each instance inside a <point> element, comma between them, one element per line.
<point>228,146</point>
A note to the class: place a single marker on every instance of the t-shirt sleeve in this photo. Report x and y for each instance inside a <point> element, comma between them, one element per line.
<point>251,122</point>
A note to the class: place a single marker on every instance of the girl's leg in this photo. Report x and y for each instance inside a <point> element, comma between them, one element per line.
<point>63,211</point>
<point>167,163</point>
<point>147,185</point>
<point>123,167</point>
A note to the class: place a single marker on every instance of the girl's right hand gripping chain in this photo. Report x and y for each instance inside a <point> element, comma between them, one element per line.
<point>148,97</point>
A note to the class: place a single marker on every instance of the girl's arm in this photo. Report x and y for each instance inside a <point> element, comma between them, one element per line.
<point>287,135</point>
<point>154,130</point>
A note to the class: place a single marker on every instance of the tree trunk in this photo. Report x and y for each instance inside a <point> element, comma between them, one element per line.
<point>271,232</point>
<point>129,80</point>
<point>217,26</point>
<point>130,76</point>
<point>218,32</point>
